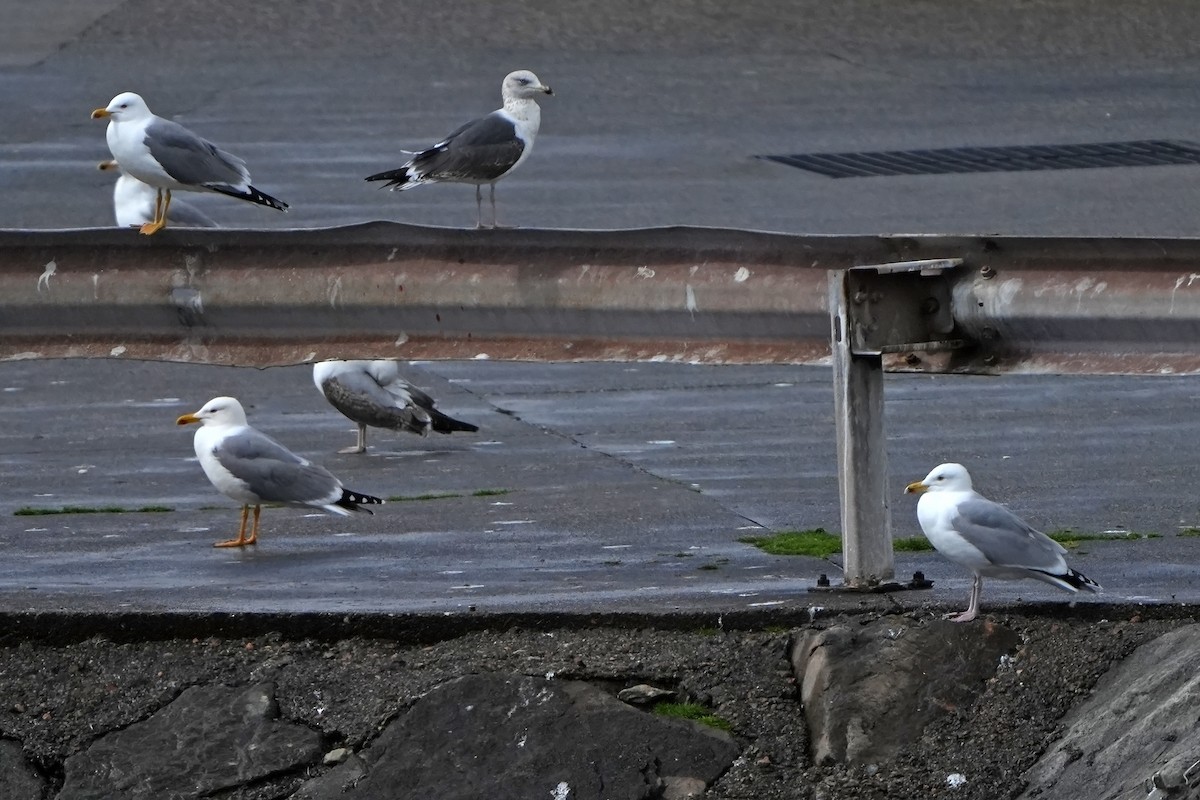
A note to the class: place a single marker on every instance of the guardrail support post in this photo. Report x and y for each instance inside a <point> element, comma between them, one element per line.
<point>876,310</point>
<point>861,448</point>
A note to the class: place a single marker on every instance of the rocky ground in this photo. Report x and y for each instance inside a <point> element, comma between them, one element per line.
<point>56,697</point>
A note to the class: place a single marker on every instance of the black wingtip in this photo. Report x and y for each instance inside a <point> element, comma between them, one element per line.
<point>444,424</point>
<point>354,501</point>
<point>250,194</point>
<point>1078,581</point>
<point>395,177</point>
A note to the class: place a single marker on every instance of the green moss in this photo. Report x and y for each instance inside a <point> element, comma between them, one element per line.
<point>818,543</point>
<point>692,711</point>
<point>490,492</point>
<point>1070,538</point>
<point>708,566</point>
<point>911,544</point>
<point>29,511</point>
<point>399,498</point>
<point>1190,532</point>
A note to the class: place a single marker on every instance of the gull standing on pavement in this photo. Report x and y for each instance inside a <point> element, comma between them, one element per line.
<point>373,393</point>
<point>252,468</point>
<point>987,538</point>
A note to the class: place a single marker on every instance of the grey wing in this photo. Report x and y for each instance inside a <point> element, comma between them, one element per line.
<point>481,150</point>
<point>191,160</point>
<point>275,473</point>
<point>358,396</point>
<point>1006,539</point>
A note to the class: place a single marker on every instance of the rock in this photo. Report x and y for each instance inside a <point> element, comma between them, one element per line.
<point>643,694</point>
<point>519,736</point>
<point>336,756</point>
<point>1141,720</point>
<point>208,739</point>
<point>18,780</point>
<point>868,690</point>
<point>675,788</point>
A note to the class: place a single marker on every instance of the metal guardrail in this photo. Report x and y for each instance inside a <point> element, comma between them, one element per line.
<point>984,304</point>
<point>276,297</point>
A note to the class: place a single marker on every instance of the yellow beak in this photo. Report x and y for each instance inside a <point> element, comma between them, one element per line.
<point>100,113</point>
<point>187,419</point>
<point>913,488</point>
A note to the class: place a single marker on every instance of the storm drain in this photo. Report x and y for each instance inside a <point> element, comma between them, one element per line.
<point>1147,153</point>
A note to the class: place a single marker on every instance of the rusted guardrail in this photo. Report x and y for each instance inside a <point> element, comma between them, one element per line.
<point>932,303</point>
<point>260,298</point>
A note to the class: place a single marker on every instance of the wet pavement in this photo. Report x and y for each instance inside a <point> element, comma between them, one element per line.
<point>657,116</point>
<point>589,488</point>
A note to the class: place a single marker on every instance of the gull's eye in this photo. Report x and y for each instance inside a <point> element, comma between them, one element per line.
<point>523,81</point>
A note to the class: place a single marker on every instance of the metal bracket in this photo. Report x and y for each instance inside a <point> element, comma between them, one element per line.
<point>902,307</point>
<point>918,581</point>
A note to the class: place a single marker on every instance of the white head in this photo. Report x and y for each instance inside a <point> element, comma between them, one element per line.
<point>218,411</point>
<point>522,85</point>
<point>124,107</point>
<point>943,478</point>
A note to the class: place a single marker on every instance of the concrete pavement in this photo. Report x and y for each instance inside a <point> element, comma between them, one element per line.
<point>589,488</point>
<point>658,112</point>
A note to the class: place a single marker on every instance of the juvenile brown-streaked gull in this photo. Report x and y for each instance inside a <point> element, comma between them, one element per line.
<point>373,393</point>
<point>133,203</point>
<point>987,538</point>
<point>252,468</point>
<point>168,156</point>
<point>482,151</point>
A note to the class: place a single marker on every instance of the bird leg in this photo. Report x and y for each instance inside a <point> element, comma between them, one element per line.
<point>241,540</point>
<point>495,222</point>
<point>973,608</point>
<point>479,207</point>
<point>160,213</point>
<point>361,447</point>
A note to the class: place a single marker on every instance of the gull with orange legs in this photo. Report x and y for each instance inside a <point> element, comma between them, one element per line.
<point>169,157</point>
<point>252,468</point>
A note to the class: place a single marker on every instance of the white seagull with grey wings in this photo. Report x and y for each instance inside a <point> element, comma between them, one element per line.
<point>134,203</point>
<point>169,157</point>
<point>252,468</point>
<point>987,538</point>
<point>482,151</point>
<point>373,393</point>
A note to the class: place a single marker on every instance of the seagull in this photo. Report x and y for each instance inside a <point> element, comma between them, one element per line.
<point>373,393</point>
<point>252,468</point>
<point>987,538</point>
<point>168,156</point>
<point>482,151</point>
<point>133,203</point>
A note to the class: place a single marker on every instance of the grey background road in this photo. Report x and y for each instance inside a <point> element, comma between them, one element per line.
<point>629,484</point>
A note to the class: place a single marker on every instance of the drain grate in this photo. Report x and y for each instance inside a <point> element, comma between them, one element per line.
<point>1146,153</point>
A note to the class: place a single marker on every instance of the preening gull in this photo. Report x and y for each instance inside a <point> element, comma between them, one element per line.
<point>252,468</point>
<point>133,203</point>
<point>168,156</point>
<point>373,393</point>
<point>987,538</point>
<point>482,151</point>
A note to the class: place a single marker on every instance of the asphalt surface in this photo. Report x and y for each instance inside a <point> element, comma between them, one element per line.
<point>627,485</point>
<point>657,115</point>
<point>589,487</point>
